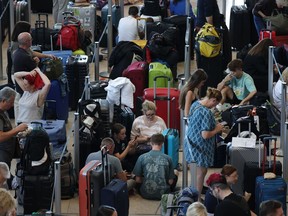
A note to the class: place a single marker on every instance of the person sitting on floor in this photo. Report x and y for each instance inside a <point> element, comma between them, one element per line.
<point>154,171</point>
<point>145,126</point>
<point>237,87</point>
<point>116,170</point>
<point>271,208</point>
<point>277,91</point>
<point>231,203</point>
<point>122,148</point>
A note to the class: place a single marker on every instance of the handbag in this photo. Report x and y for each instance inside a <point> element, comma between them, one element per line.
<point>279,22</point>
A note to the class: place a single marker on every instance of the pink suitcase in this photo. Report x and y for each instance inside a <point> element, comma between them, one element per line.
<point>137,72</point>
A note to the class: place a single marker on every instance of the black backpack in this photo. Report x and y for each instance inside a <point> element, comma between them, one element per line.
<point>36,144</point>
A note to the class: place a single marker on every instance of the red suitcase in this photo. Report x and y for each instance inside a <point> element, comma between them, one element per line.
<point>137,72</point>
<point>268,34</point>
<point>162,97</point>
<point>91,181</point>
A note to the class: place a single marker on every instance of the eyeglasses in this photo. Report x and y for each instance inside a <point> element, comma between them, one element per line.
<point>150,115</point>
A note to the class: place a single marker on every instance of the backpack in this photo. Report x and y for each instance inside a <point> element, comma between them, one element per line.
<point>53,69</point>
<point>69,34</point>
<point>179,201</point>
<point>36,145</point>
<point>185,198</point>
<point>208,41</point>
<point>68,177</point>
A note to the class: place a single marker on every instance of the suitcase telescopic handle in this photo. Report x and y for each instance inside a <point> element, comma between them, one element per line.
<point>268,139</point>
<point>168,95</point>
<point>261,137</point>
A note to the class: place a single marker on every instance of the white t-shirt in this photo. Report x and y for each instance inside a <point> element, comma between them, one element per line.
<point>127,29</point>
<point>28,109</point>
<point>277,95</point>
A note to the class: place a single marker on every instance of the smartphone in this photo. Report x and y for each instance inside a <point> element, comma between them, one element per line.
<point>223,123</point>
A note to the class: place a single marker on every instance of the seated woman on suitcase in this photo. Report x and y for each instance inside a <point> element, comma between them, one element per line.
<point>122,148</point>
<point>36,86</point>
<point>231,176</point>
<point>145,126</point>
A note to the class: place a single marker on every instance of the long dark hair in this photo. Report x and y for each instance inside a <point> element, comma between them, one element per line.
<point>261,48</point>
<point>195,79</point>
<point>21,26</point>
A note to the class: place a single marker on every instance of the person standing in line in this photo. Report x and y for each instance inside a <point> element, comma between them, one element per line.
<point>190,91</point>
<point>264,9</point>
<point>7,132</point>
<point>200,135</point>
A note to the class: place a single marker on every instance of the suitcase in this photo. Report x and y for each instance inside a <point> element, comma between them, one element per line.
<point>116,15</point>
<point>77,68</point>
<point>56,106</point>
<point>38,6</point>
<point>270,189</point>
<point>157,69</point>
<point>37,192</point>
<point>239,26</point>
<point>21,12</point>
<point>180,21</point>
<point>268,34</point>
<point>87,17</point>
<point>56,129</point>
<point>126,118</point>
<point>91,180</point>
<point>41,33</point>
<point>161,97</point>
<point>237,156</point>
<point>171,145</point>
<point>254,169</point>
<point>137,72</point>
<point>115,194</point>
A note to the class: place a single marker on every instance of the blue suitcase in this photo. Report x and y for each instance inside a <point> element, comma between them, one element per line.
<point>57,106</point>
<point>56,130</point>
<point>63,54</point>
<point>270,189</point>
<point>171,145</point>
<point>115,194</point>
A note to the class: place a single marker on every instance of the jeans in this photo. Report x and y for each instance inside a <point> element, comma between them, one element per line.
<point>259,24</point>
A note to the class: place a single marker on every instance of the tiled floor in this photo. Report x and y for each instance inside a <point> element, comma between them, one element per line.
<point>138,206</point>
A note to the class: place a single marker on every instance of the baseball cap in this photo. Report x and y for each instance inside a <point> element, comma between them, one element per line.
<point>216,178</point>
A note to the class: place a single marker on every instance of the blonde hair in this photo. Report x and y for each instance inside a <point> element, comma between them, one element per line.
<point>285,75</point>
<point>7,202</point>
<point>213,93</point>
<point>196,209</point>
<point>148,105</point>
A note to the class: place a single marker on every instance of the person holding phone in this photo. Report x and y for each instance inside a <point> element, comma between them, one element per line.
<point>145,126</point>
<point>123,147</point>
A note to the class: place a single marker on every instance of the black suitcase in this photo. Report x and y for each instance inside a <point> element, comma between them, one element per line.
<point>37,192</point>
<point>126,119</point>
<point>41,34</point>
<point>180,21</point>
<point>115,194</point>
<point>253,32</point>
<point>77,68</point>
<point>239,26</point>
<point>252,170</point>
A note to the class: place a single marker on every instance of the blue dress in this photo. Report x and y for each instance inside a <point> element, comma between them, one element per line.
<point>202,150</point>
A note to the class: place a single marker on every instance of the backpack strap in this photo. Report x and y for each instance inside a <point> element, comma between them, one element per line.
<point>169,203</point>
